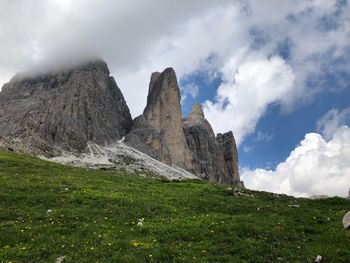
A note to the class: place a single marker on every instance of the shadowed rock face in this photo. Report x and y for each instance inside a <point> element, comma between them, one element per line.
<point>215,158</point>
<point>228,145</point>
<point>207,154</point>
<point>46,113</point>
<point>145,138</point>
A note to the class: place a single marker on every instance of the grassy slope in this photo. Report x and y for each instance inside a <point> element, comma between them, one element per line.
<point>94,219</point>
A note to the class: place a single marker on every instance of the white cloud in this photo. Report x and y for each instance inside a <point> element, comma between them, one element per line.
<point>242,101</point>
<point>247,149</point>
<point>319,165</point>
<point>263,137</point>
<point>191,90</point>
<point>315,35</point>
<point>333,119</point>
<point>314,167</point>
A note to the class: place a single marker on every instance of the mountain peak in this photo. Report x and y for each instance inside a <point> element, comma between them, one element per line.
<point>196,113</point>
<point>46,71</point>
<point>64,110</point>
<point>161,82</point>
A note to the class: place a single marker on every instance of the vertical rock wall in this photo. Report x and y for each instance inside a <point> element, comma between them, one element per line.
<point>163,114</point>
<point>229,148</point>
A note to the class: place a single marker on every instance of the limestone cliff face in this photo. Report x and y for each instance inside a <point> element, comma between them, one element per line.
<point>228,145</point>
<point>215,158</point>
<point>189,142</point>
<point>64,110</point>
<point>159,130</point>
<point>208,157</point>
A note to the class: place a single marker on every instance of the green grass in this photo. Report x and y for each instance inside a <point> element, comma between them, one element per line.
<point>94,216</point>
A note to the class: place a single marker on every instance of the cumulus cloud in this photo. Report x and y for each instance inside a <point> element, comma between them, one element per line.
<point>316,166</point>
<point>199,46</point>
<point>308,37</point>
<point>241,102</point>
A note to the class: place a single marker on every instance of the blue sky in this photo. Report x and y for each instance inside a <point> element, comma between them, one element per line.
<point>287,130</point>
<point>274,72</point>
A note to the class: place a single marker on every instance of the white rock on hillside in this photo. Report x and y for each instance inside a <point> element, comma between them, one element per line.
<point>120,155</point>
<point>346,220</point>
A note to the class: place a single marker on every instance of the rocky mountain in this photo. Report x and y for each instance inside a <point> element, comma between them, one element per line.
<point>80,116</point>
<point>63,111</point>
<point>190,142</point>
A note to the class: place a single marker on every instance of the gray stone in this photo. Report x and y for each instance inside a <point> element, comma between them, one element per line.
<point>318,259</point>
<point>346,220</point>
<point>196,115</point>
<point>63,111</point>
<point>60,259</point>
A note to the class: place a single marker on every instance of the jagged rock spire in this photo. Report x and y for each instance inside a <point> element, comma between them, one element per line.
<point>228,144</point>
<point>161,122</point>
<point>196,114</point>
